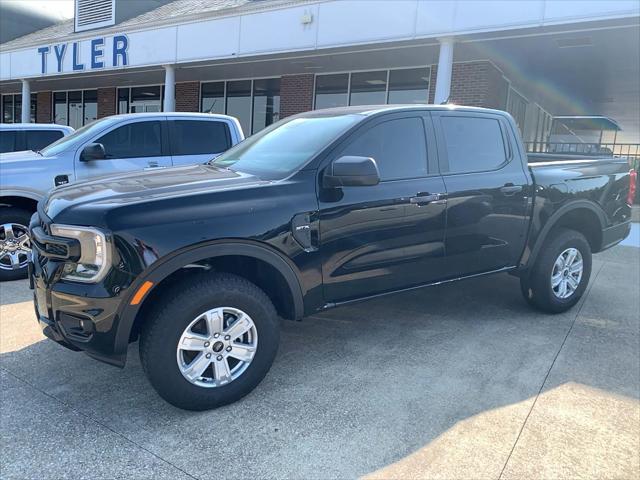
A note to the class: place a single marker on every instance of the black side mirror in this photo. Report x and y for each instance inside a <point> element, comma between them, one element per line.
<point>351,171</point>
<point>93,151</point>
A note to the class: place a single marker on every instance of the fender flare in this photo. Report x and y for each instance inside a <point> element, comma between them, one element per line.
<point>160,270</point>
<point>556,217</point>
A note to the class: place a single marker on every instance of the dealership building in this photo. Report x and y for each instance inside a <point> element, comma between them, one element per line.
<point>261,60</point>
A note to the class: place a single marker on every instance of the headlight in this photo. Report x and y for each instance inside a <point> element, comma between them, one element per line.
<point>95,253</point>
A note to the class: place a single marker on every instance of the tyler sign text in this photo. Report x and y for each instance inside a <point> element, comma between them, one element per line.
<point>96,58</point>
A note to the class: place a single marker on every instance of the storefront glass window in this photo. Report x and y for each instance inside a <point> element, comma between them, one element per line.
<point>34,107</point>
<point>60,108</point>
<point>146,99</point>
<point>7,108</point>
<point>410,85</point>
<point>266,103</point>
<point>123,100</point>
<point>212,97</point>
<point>75,109</point>
<point>368,88</point>
<point>17,108</point>
<point>332,90</point>
<point>90,101</point>
<point>239,102</point>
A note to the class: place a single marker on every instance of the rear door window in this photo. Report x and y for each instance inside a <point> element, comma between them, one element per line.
<point>473,143</point>
<point>38,139</point>
<point>8,140</point>
<point>199,137</point>
<point>398,146</point>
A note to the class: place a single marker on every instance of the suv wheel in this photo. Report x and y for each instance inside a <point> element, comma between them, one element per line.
<point>561,273</point>
<point>15,248</point>
<point>211,343</point>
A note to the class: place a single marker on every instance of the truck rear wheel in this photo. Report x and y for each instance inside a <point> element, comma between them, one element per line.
<point>561,273</point>
<point>15,247</point>
<point>211,343</point>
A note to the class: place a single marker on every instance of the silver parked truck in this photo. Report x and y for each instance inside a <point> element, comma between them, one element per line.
<point>115,144</point>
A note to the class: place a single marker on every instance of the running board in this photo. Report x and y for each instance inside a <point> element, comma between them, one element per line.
<point>416,287</point>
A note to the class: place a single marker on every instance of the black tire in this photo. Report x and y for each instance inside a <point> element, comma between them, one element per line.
<point>16,216</point>
<point>537,287</point>
<point>167,321</point>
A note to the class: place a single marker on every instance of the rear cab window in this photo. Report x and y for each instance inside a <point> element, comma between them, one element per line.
<point>199,137</point>
<point>8,141</point>
<point>473,143</point>
<point>38,139</point>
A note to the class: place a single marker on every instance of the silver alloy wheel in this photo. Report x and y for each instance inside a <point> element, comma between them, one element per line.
<point>567,273</point>
<point>15,246</point>
<point>217,347</point>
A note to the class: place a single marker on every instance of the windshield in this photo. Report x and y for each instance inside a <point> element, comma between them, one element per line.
<point>77,137</point>
<point>285,147</point>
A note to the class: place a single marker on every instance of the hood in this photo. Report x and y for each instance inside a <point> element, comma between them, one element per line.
<point>144,186</point>
<point>25,155</point>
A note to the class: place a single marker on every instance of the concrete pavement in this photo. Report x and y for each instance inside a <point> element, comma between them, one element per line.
<point>456,381</point>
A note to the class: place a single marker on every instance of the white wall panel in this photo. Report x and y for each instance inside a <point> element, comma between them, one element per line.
<point>345,22</point>
<point>579,9</point>
<point>25,63</point>
<point>279,30</point>
<point>475,15</point>
<point>152,47</point>
<point>211,39</point>
<point>5,66</point>
<point>435,16</point>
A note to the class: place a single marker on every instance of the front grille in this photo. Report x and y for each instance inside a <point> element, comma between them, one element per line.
<point>56,249</point>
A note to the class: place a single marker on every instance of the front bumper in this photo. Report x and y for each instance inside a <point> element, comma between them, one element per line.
<point>75,315</point>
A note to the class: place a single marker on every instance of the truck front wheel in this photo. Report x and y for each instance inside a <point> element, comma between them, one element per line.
<point>561,273</point>
<point>210,343</point>
<point>15,246</point>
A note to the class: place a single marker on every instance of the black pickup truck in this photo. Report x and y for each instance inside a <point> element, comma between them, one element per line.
<point>318,210</point>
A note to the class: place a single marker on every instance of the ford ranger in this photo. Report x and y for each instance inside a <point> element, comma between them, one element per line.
<point>316,211</point>
<point>115,144</point>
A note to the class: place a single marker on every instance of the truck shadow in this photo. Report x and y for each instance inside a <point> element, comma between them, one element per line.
<point>352,390</point>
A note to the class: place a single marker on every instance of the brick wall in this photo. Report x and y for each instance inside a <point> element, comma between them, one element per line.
<point>296,94</point>
<point>188,97</point>
<point>477,84</point>
<point>43,107</point>
<point>106,102</point>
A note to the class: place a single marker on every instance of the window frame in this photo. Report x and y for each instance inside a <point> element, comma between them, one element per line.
<point>349,73</point>
<point>225,83</point>
<point>443,154</point>
<point>171,128</point>
<point>66,104</point>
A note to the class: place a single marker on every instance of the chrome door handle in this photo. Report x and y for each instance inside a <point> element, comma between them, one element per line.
<point>425,198</point>
<point>152,164</point>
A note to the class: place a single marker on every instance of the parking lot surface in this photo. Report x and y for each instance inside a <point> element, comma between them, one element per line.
<point>455,381</point>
